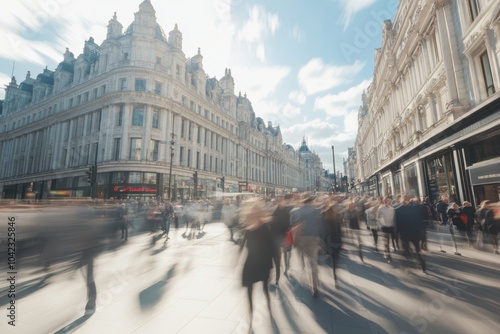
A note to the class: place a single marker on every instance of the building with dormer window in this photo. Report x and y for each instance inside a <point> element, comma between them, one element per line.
<point>146,115</point>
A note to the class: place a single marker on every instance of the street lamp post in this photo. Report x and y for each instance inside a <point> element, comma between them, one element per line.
<point>334,173</point>
<point>172,142</point>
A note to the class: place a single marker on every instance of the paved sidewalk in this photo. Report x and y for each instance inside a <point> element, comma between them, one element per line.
<point>192,284</point>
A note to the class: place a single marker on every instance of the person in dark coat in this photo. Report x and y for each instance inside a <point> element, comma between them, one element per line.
<point>331,235</point>
<point>492,224</point>
<point>455,214</point>
<point>260,248</point>
<point>442,210</point>
<point>409,224</point>
<point>279,225</point>
<point>470,212</point>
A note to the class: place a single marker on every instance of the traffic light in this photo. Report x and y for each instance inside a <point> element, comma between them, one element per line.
<point>90,175</point>
<point>222,183</point>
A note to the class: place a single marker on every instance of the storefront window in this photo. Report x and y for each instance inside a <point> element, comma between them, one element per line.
<point>411,181</point>
<point>150,178</point>
<point>387,186</point>
<point>135,177</point>
<point>118,177</point>
<point>440,177</point>
<point>397,183</point>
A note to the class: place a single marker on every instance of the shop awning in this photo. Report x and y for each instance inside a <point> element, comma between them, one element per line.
<point>485,172</point>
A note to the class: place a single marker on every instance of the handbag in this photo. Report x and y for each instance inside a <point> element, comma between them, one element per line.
<point>463,217</point>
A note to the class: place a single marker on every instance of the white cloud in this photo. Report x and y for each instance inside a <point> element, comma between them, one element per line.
<point>316,76</point>
<point>277,112</point>
<point>342,103</point>
<point>39,31</point>
<point>297,34</point>
<point>350,8</point>
<point>297,97</point>
<point>260,25</point>
<point>250,80</point>
<point>261,53</point>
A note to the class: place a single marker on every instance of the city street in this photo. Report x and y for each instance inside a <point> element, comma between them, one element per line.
<point>192,284</point>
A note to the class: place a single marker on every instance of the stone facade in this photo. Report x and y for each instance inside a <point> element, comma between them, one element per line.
<point>436,74</point>
<point>135,106</point>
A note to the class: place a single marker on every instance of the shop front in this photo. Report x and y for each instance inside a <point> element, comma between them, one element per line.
<point>485,180</point>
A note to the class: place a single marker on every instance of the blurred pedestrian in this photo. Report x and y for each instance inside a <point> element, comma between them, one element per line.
<point>167,216</point>
<point>332,232</point>
<point>442,210</point>
<point>385,219</point>
<point>351,215</point>
<point>280,223</point>
<point>260,248</point>
<point>408,220</point>
<point>470,212</point>
<point>310,221</point>
<point>371,220</point>
<point>492,224</point>
<point>229,216</point>
<point>482,234</point>
<point>458,219</point>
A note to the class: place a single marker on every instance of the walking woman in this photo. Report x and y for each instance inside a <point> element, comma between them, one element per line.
<point>351,215</point>
<point>260,248</point>
<point>332,232</point>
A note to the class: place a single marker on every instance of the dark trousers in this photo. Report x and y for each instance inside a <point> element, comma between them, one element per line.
<point>278,242</point>
<point>416,243</point>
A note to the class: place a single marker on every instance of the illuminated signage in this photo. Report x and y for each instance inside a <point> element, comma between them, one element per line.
<point>132,189</point>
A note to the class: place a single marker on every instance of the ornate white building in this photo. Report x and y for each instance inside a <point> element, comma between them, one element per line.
<point>430,121</point>
<point>141,111</point>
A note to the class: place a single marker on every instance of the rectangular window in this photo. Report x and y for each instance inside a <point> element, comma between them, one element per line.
<point>183,125</point>
<point>89,123</point>
<point>204,162</point>
<point>181,156</point>
<point>86,153</point>
<point>116,148</point>
<point>63,158</point>
<point>123,84</point>
<point>140,85</point>
<point>189,158</point>
<point>94,93</point>
<point>85,96</point>
<point>198,135</point>
<point>103,90</point>
<point>488,77</point>
<point>118,177</point>
<point>190,127</point>
<point>70,104</point>
<point>97,121</point>
<point>135,177</point>
<point>135,149</point>
<point>158,88</point>
<point>119,116</point>
<point>138,116</point>
<point>197,160</point>
<point>156,119</point>
<point>474,8</point>
<point>125,56</point>
<point>154,149</point>
<point>150,178</point>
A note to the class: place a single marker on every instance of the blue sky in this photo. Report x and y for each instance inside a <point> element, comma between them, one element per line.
<point>303,64</point>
